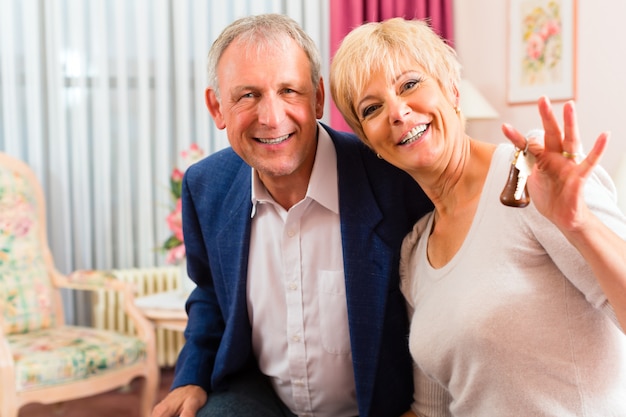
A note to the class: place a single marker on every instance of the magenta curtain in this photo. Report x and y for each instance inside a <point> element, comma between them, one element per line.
<point>347,14</point>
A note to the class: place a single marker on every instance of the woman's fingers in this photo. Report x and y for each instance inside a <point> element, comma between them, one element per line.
<point>571,140</point>
<point>533,139</point>
<point>593,158</point>
<point>514,135</point>
<point>564,143</point>
<point>553,136</point>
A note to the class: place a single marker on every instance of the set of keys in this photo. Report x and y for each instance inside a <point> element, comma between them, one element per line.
<point>515,193</point>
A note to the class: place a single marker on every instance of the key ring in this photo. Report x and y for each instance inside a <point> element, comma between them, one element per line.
<point>533,133</point>
<point>518,150</point>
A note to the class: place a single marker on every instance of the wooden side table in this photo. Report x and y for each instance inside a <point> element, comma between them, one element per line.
<point>165,309</point>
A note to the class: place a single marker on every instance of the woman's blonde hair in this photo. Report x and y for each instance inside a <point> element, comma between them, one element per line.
<point>383,47</point>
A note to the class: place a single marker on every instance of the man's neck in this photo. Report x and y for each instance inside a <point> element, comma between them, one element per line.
<point>288,191</point>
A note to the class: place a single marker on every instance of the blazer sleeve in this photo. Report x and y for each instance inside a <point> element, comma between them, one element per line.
<point>205,324</point>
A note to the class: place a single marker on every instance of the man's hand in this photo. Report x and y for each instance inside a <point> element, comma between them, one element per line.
<point>181,402</point>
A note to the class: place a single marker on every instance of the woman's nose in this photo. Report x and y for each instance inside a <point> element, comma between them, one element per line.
<point>398,110</point>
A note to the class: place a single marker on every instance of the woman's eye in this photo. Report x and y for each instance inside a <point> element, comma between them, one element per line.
<point>409,85</point>
<point>368,110</point>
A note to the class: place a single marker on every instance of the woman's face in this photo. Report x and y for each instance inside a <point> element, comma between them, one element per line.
<point>409,120</point>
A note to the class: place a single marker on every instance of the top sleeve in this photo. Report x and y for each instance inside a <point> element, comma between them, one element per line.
<point>601,196</point>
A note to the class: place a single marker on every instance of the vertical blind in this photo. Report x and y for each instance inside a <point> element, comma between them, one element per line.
<point>100,97</point>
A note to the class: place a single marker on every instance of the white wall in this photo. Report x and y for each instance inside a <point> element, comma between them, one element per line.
<point>481,42</point>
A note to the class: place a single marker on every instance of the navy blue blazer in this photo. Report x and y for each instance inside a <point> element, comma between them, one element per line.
<point>378,205</point>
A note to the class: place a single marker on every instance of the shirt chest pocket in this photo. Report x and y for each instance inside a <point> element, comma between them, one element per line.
<point>333,312</point>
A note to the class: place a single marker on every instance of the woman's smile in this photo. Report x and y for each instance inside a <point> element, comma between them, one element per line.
<point>414,134</point>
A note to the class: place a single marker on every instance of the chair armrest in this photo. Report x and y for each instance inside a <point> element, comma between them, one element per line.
<point>90,280</point>
<point>102,280</point>
<point>2,308</point>
<point>7,367</point>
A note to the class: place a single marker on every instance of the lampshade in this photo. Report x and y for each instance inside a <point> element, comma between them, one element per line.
<point>473,104</point>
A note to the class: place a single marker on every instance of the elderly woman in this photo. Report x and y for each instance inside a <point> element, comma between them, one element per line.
<point>515,311</point>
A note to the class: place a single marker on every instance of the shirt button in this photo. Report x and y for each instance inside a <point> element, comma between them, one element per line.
<point>291,233</point>
<point>292,286</point>
<point>295,338</point>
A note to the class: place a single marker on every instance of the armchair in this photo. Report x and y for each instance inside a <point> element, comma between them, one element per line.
<point>42,359</point>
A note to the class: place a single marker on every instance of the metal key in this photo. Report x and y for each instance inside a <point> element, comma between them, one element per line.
<point>515,193</point>
<point>524,164</point>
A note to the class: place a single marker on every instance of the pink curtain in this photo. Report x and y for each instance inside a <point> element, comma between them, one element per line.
<point>347,14</point>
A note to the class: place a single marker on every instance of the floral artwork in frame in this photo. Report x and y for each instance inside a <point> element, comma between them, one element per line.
<point>542,48</point>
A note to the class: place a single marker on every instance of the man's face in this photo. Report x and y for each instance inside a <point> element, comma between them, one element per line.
<point>269,107</point>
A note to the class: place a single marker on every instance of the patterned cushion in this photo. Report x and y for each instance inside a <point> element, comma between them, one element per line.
<point>25,288</point>
<point>69,353</point>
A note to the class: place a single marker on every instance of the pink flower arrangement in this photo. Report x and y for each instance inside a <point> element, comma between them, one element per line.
<point>174,246</point>
<point>543,39</point>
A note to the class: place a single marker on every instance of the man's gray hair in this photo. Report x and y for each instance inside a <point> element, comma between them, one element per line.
<point>258,32</point>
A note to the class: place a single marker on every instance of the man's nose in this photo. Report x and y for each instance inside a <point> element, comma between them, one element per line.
<point>271,110</point>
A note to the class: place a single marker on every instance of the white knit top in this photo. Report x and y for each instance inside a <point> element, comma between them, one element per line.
<point>515,324</point>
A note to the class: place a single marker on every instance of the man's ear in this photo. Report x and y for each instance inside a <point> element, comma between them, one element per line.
<point>213,104</point>
<point>319,100</point>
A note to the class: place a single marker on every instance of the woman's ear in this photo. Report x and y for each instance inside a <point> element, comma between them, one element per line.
<point>455,95</point>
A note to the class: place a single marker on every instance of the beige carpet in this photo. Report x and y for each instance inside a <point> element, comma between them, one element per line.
<point>119,403</point>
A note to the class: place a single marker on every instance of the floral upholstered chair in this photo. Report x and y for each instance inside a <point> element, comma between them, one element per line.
<point>41,358</point>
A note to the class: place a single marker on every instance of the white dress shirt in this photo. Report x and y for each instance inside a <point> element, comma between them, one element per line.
<point>297,296</point>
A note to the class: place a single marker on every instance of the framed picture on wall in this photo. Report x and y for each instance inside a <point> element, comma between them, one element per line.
<point>541,50</point>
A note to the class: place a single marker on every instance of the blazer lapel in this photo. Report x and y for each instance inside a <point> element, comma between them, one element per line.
<point>365,274</point>
<point>233,242</point>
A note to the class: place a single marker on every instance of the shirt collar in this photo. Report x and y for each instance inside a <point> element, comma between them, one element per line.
<point>323,187</point>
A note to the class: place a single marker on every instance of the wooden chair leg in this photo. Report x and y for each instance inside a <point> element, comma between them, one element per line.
<point>149,390</point>
<point>58,409</point>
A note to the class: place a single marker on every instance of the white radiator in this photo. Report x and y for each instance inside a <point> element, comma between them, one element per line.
<point>108,313</point>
